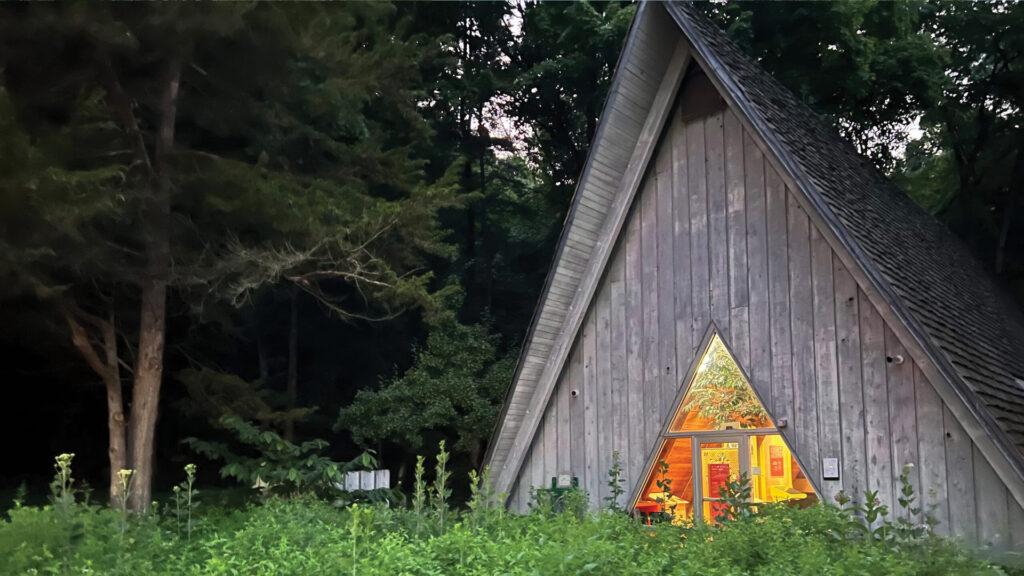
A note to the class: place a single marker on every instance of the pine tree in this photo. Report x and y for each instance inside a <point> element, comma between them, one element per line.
<point>203,154</point>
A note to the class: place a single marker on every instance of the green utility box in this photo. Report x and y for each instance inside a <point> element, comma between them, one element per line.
<point>557,495</point>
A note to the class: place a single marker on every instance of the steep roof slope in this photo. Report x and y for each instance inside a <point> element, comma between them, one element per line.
<point>643,66</point>
<point>967,325</point>
<point>936,283</point>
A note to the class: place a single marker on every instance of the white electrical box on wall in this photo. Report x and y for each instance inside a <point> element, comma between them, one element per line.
<point>830,468</point>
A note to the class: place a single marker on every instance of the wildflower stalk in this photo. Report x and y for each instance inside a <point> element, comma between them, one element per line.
<point>62,485</point>
<point>440,492</point>
<point>62,493</point>
<point>419,493</point>
<point>125,477</point>
<point>190,479</point>
<point>615,480</point>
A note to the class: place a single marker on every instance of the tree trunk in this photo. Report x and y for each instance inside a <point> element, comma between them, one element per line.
<point>292,387</point>
<point>1007,217</point>
<point>149,365</point>
<point>261,354</point>
<point>476,456</point>
<point>470,306</point>
<point>116,425</point>
<point>108,369</point>
<point>485,256</point>
<point>149,369</point>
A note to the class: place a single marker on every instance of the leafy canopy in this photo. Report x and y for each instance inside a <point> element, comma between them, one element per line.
<point>453,388</point>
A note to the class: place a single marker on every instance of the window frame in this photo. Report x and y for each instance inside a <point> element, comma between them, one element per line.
<point>741,434</point>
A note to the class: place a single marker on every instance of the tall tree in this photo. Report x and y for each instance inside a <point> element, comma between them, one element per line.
<point>211,152</point>
<point>976,127</point>
<point>564,65</point>
<point>468,82</point>
<point>871,67</point>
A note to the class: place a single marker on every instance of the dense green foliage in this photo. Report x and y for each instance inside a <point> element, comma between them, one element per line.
<point>864,64</point>
<point>263,459</point>
<point>566,59</point>
<point>306,536</point>
<point>451,390</point>
<point>223,155</point>
<point>302,534</point>
<point>322,178</point>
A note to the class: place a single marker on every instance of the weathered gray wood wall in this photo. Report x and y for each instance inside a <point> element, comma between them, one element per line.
<point>639,87</point>
<point>715,235</point>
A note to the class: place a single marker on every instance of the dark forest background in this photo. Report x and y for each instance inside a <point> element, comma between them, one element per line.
<point>349,209</point>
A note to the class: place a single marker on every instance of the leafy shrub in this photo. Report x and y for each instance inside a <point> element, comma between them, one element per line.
<point>306,535</point>
<point>266,460</point>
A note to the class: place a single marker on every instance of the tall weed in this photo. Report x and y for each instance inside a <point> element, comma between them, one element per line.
<point>306,535</point>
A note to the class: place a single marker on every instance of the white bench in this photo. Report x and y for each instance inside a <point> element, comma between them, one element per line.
<point>366,480</point>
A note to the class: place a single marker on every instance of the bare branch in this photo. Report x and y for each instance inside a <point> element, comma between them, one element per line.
<point>314,291</point>
<point>80,337</point>
<point>355,277</point>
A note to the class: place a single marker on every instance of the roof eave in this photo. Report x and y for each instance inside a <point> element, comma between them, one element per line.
<point>560,247</point>
<point>739,101</point>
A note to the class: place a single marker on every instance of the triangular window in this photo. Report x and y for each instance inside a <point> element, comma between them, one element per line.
<point>718,430</point>
<point>719,396</point>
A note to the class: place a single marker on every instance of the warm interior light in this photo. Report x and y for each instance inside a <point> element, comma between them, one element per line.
<point>719,399</point>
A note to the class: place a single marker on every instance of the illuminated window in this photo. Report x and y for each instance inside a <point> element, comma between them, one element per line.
<point>719,430</point>
<point>719,464</point>
<point>774,474</point>
<point>669,486</point>
<point>719,397</point>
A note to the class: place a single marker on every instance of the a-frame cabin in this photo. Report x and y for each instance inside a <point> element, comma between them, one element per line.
<point>721,233</point>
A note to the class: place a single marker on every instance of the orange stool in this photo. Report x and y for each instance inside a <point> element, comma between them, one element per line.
<point>648,508</point>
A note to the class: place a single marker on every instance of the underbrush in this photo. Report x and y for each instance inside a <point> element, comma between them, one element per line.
<point>306,535</point>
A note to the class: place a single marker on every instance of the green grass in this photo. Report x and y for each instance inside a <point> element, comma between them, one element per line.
<point>308,536</point>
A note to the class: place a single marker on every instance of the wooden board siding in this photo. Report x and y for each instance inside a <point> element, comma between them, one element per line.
<point>931,451</point>
<point>638,100</point>
<point>990,496</point>
<point>736,225</point>
<point>649,296</point>
<point>619,401</point>
<point>603,358</point>
<point>825,369</point>
<point>685,341</point>
<point>902,412</point>
<point>876,401</point>
<point>759,369</point>
<point>741,251</point>
<point>634,406</point>
<point>960,479</point>
<point>780,344</point>
<point>854,468</point>
<point>717,207</point>
<point>666,275</point>
<point>590,399</point>
<point>572,384</point>
<point>697,191</point>
<point>801,319</point>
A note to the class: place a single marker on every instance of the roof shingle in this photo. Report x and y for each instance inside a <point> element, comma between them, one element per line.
<point>966,316</point>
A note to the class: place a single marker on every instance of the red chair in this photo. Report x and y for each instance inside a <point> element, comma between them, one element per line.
<point>648,508</point>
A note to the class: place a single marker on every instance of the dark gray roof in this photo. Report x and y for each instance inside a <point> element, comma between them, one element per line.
<point>933,282</point>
